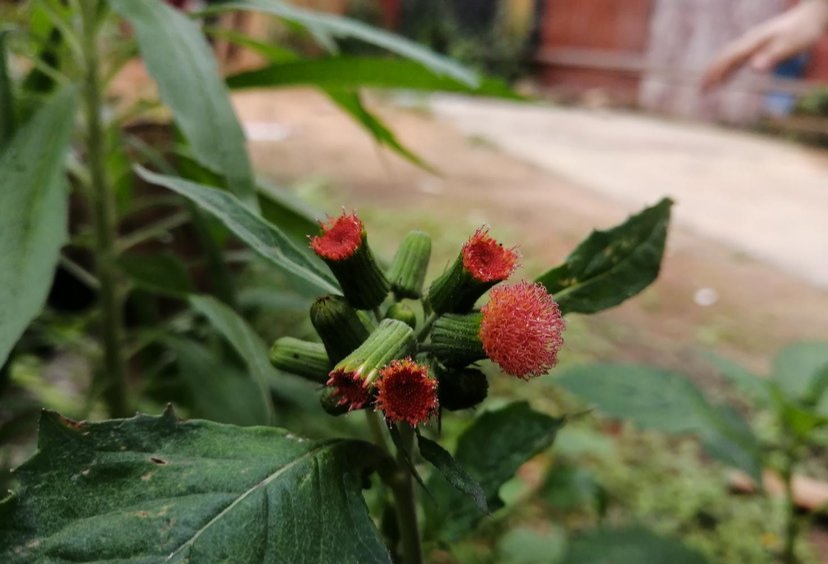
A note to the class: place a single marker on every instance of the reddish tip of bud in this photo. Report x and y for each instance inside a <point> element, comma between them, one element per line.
<point>522,329</point>
<point>340,239</point>
<point>406,393</point>
<point>349,388</point>
<point>486,259</point>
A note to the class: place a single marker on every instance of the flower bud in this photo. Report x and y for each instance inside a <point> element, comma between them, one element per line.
<point>406,393</point>
<point>482,263</point>
<point>402,313</point>
<point>343,245</point>
<point>331,404</point>
<point>338,325</point>
<point>455,339</point>
<point>461,389</point>
<point>353,377</point>
<point>408,269</point>
<point>520,328</point>
<point>303,358</point>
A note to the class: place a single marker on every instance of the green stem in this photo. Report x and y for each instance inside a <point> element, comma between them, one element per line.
<point>792,528</point>
<point>405,502</point>
<point>114,369</point>
<point>423,331</point>
<point>376,427</point>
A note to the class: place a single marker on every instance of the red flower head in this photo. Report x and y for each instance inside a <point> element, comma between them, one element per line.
<point>406,393</point>
<point>341,238</point>
<point>350,388</point>
<point>522,329</point>
<point>486,259</point>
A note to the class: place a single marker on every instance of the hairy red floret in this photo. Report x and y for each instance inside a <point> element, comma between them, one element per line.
<point>406,393</point>
<point>340,239</point>
<point>486,259</point>
<point>522,329</point>
<point>350,388</point>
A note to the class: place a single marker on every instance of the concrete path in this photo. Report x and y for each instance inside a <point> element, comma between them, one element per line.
<point>763,197</point>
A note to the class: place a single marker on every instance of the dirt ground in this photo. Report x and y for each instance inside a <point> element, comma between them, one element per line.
<point>758,307</point>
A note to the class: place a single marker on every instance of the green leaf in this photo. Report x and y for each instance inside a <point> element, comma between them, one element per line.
<point>163,273</point>
<point>491,451</point>
<point>527,546</point>
<point>362,72</point>
<point>753,386</point>
<point>33,214</point>
<point>649,397</point>
<point>797,366</point>
<point>668,402</point>
<point>253,352</point>
<point>452,471</point>
<point>7,124</point>
<point>329,25</point>
<point>264,238</point>
<point>351,103</point>
<point>220,392</point>
<point>180,60</point>
<point>290,213</point>
<point>611,266</point>
<point>148,490</point>
<point>631,545</point>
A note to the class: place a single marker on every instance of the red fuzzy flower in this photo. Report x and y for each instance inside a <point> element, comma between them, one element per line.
<point>350,388</point>
<point>406,393</point>
<point>340,239</point>
<point>522,329</point>
<point>486,259</point>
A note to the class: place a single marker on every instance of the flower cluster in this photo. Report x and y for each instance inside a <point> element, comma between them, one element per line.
<point>390,344</point>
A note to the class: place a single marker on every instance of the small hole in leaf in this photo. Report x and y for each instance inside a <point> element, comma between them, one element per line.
<point>159,461</point>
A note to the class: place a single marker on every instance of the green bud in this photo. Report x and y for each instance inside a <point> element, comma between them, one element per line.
<point>392,339</point>
<point>461,389</point>
<point>455,339</point>
<point>338,325</point>
<point>408,269</point>
<point>402,313</point>
<point>303,358</point>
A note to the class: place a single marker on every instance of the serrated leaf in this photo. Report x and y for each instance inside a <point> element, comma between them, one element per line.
<point>180,60</point>
<point>442,460</point>
<point>611,266</point>
<point>632,545</point>
<point>362,72</point>
<point>491,451</point>
<point>325,26</point>
<point>263,237</point>
<point>153,489</point>
<point>33,214</point>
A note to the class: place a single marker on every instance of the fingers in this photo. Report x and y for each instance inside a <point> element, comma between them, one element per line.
<point>772,54</point>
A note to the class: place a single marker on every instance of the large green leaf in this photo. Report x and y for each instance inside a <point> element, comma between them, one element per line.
<point>264,238</point>
<point>253,352</point>
<point>33,214</point>
<point>632,545</point>
<point>797,367</point>
<point>669,402</point>
<point>611,266</point>
<point>358,72</point>
<point>6,94</point>
<point>149,490</point>
<point>490,451</point>
<point>180,60</point>
<point>329,25</point>
<point>754,387</point>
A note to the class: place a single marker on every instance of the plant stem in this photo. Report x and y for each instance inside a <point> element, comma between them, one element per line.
<point>792,529</point>
<point>405,502</point>
<point>427,323</point>
<point>114,371</point>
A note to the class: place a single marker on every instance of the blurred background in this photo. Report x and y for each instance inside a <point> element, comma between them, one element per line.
<point>613,120</point>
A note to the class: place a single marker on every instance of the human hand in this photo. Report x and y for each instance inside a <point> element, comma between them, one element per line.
<point>771,42</point>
